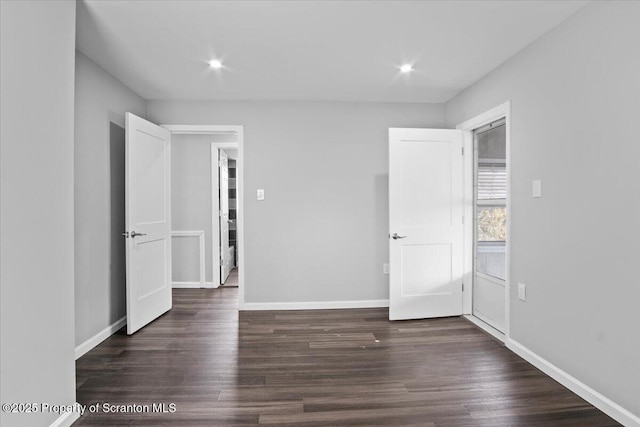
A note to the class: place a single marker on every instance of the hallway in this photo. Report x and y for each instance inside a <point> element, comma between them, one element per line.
<point>317,368</point>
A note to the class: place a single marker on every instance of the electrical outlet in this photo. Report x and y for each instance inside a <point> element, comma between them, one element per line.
<point>385,268</point>
<point>260,194</point>
<point>522,292</point>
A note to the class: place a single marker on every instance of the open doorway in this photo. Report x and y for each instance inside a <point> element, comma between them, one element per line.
<point>227,212</point>
<point>206,207</point>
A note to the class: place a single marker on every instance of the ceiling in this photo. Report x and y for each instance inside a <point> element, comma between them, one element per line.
<point>309,50</point>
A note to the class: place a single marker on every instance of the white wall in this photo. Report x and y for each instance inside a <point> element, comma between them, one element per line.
<point>36,214</point>
<point>321,232</point>
<point>100,102</point>
<point>575,111</point>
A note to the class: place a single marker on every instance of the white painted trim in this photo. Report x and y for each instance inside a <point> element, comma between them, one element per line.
<point>467,246</point>
<point>215,215</point>
<point>193,285</point>
<point>315,305</point>
<point>487,117</point>
<point>485,327</point>
<point>595,398</point>
<point>203,129</point>
<point>240,218</point>
<point>185,285</point>
<point>66,419</point>
<point>200,235</point>
<point>92,342</point>
<point>502,110</point>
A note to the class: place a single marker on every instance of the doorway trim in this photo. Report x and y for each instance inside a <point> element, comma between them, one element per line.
<point>498,112</point>
<point>215,203</point>
<point>237,130</point>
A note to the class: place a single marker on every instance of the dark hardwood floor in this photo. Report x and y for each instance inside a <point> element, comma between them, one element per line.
<point>317,368</point>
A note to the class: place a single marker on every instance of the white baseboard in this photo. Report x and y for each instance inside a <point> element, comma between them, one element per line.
<point>485,327</point>
<point>83,348</point>
<point>66,419</point>
<point>192,285</point>
<point>315,305</point>
<point>606,405</point>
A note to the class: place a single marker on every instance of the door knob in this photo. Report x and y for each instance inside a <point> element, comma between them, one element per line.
<point>395,236</point>
<point>134,234</point>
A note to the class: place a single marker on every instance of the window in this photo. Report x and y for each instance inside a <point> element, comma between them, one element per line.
<point>491,200</point>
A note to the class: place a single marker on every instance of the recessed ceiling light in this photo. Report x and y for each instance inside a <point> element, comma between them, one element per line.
<point>215,64</point>
<point>406,68</point>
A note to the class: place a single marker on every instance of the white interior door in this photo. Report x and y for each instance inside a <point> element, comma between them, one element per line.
<point>225,259</point>
<point>426,223</point>
<point>148,221</point>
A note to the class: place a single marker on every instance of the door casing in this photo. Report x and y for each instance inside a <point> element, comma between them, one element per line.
<point>223,214</point>
<point>498,112</point>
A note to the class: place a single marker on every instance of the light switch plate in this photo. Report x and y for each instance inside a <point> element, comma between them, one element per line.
<point>260,194</point>
<point>537,188</point>
<point>522,292</point>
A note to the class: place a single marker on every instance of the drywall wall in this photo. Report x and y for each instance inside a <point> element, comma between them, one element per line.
<point>191,204</point>
<point>575,108</point>
<point>321,234</point>
<point>100,104</point>
<point>36,207</point>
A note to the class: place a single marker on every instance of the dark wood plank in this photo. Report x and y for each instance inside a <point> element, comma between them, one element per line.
<point>317,368</point>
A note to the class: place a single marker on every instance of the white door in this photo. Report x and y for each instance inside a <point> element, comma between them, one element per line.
<point>426,223</point>
<point>225,259</point>
<point>148,221</point>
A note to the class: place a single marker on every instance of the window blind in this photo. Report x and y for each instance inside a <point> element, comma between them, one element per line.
<point>492,182</point>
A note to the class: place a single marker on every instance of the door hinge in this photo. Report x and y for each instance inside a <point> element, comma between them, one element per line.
<point>463,151</point>
<point>463,287</point>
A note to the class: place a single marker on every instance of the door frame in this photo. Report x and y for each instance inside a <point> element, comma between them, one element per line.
<point>498,112</point>
<point>237,130</point>
<point>215,202</point>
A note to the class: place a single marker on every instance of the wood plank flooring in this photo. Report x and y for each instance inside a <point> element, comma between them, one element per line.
<point>232,280</point>
<point>317,368</point>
